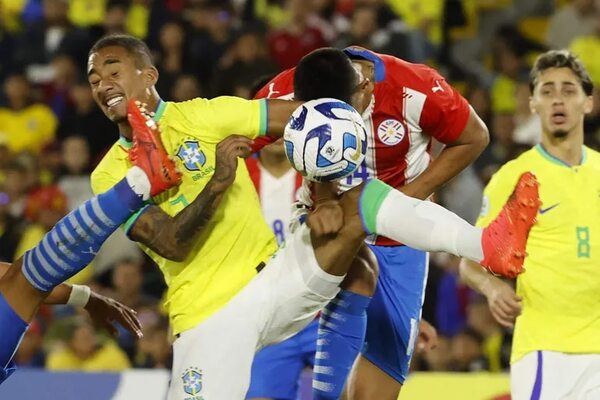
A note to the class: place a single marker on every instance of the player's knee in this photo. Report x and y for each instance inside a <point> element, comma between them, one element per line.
<point>363,273</point>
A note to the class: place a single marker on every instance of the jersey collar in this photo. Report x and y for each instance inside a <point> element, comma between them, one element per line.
<point>160,109</point>
<point>544,153</point>
<point>361,52</point>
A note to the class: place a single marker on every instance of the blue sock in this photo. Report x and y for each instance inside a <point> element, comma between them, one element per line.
<point>340,338</point>
<point>74,241</point>
<point>12,329</point>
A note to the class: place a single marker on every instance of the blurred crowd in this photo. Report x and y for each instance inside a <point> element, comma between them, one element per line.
<point>52,134</point>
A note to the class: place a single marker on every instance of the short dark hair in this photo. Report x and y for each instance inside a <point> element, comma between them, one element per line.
<point>325,72</point>
<point>134,46</point>
<point>560,59</point>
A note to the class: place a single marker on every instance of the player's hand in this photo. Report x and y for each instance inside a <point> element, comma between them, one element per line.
<point>105,312</point>
<point>327,218</point>
<point>504,303</point>
<point>228,151</point>
<point>428,338</point>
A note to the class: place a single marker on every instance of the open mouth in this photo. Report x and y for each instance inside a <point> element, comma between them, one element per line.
<point>114,101</point>
<point>558,118</point>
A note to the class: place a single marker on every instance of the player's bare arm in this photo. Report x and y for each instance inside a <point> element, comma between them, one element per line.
<point>455,157</point>
<point>279,112</point>
<point>104,311</point>
<point>174,237</point>
<point>503,302</point>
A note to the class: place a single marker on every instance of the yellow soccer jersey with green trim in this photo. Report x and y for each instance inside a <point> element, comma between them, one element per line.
<point>237,239</point>
<point>561,285</point>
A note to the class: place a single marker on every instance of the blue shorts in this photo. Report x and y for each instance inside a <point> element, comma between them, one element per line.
<point>277,368</point>
<point>395,310</point>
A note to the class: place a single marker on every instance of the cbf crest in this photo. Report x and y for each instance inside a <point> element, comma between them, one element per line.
<point>191,155</point>
<point>192,383</point>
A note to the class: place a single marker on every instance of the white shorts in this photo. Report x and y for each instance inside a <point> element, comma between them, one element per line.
<point>212,361</point>
<point>549,375</point>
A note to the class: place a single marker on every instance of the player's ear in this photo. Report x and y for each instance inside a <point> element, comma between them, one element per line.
<point>150,76</point>
<point>588,105</point>
<point>532,105</point>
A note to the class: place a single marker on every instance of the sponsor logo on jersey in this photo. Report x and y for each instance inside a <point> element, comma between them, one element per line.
<point>391,132</point>
<point>191,155</point>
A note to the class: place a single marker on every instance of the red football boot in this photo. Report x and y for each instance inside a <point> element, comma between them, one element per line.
<point>505,238</point>
<point>148,152</point>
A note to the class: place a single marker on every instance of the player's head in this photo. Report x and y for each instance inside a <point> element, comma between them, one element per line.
<point>119,68</point>
<point>328,72</point>
<point>561,93</point>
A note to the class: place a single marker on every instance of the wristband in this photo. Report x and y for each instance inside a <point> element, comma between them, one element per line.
<point>80,295</point>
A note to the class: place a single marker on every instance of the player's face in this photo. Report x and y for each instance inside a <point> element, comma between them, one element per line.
<point>115,78</point>
<point>560,101</point>
<point>364,91</point>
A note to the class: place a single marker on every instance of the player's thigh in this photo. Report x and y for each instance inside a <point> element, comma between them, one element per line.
<point>368,381</point>
<point>395,311</point>
<point>277,368</point>
<point>214,359</point>
<point>299,288</point>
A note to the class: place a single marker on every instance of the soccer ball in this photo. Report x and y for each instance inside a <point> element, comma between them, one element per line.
<point>325,139</point>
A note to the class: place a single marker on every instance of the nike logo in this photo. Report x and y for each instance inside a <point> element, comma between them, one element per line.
<point>545,210</point>
<point>358,152</point>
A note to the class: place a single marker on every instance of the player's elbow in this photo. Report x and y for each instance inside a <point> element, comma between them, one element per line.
<point>173,253</point>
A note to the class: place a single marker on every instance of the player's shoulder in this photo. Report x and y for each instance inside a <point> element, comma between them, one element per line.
<point>114,159</point>
<point>281,86</point>
<point>509,173</point>
<point>404,72</point>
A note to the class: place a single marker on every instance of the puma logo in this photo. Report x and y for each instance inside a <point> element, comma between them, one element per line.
<point>271,91</point>
<point>437,87</point>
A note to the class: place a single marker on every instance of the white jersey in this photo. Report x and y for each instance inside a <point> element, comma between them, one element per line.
<point>277,196</point>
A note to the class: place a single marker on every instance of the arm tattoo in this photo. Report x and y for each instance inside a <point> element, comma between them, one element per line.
<point>174,237</point>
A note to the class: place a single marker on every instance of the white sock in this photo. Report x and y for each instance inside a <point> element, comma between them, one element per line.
<point>420,224</point>
<point>139,182</point>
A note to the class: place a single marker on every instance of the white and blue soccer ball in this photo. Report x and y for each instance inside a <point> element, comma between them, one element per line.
<point>325,139</point>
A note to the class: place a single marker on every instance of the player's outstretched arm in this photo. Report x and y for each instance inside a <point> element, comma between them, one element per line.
<point>503,302</point>
<point>278,114</point>
<point>104,311</point>
<point>174,237</point>
<point>455,157</point>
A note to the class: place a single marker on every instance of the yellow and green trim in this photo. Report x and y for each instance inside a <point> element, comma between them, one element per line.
<point>264,117</point>
<point>544,153</point>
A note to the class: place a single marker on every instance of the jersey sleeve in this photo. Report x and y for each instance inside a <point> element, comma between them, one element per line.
<point>446,111</point>
<point>226,115</point>
<point>496,194</point>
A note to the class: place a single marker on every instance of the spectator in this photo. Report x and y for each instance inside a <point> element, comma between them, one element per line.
<point>86,119</point>
<point>15,186</point>
<point>287,46</point>
<point>186,87</point>
<point>54,34</point>
<point>127,279</point>
<point>467,351</point>
<point>75,180</point>
<point>154,349</point>
<point>575,18</point>
<point>171,56</point>
<point>242,65</point>
<point>363,26</point>
<point>11,229</point>
<point>27,125</point>
<point>86,350</point>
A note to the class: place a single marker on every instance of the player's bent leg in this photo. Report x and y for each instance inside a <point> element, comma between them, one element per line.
<point>342,327</point>
<point>393,322</point>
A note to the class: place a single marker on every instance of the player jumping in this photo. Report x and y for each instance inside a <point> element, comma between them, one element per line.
<point>37,276</point>
<point>226,298</point>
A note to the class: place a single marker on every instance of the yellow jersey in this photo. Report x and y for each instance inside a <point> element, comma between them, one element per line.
<point>28,129</point>
<point>561,284</point>
<point>237,238</point>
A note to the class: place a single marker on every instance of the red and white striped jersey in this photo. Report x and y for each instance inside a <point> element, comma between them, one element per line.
<point>277,196</point>
<point>413,103</point>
